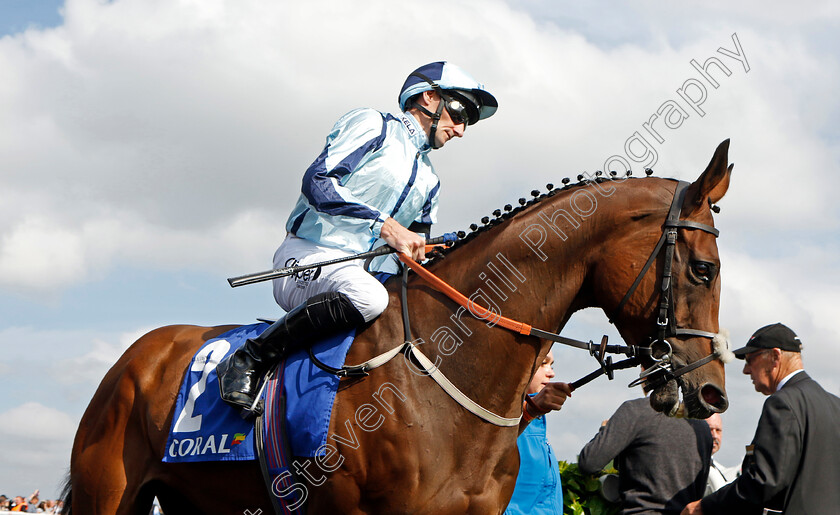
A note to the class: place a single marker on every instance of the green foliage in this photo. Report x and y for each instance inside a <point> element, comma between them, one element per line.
<point>581,492</point>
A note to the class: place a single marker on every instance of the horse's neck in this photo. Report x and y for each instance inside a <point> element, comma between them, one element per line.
<point>533,267</point>
<point>522,269</point>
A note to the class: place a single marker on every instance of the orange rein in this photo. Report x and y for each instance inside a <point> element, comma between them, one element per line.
<point>441,286</point>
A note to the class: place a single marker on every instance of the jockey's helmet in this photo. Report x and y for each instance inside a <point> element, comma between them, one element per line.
<point>454,85</point>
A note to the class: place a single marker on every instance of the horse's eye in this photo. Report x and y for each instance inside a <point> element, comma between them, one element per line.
<point>703,270</point>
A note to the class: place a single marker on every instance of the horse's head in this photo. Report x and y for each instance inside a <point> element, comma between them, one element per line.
<point>677,318</point>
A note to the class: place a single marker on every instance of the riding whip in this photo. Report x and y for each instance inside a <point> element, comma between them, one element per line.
<point>242,280</point>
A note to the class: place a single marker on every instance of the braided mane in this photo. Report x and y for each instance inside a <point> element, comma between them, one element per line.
<point>508,211</point>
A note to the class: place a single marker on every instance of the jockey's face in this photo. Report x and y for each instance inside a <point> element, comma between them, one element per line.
<point>446,128</point>
<point>543,375</point>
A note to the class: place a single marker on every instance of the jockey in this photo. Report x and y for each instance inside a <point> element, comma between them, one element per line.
<point>373,184</point>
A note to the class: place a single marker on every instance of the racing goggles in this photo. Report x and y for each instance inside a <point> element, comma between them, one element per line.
<point>460,108</point>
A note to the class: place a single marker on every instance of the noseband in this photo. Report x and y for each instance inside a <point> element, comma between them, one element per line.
<point>660,351</point>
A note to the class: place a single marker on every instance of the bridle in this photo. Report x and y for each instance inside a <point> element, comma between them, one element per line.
<point>660,352</point>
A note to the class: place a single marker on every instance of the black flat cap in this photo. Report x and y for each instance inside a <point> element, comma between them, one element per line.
<point>773,336</point>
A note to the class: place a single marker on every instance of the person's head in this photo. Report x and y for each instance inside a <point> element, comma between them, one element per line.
<point>543,374</point>
<point>445,99</point>
<point>771,353</point>
<point>716,427</point>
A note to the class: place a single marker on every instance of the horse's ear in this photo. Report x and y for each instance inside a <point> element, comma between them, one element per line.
<point>712,184</point>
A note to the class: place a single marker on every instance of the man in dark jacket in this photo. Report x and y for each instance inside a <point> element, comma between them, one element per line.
<point>662,462</point>
<point>792,464</point>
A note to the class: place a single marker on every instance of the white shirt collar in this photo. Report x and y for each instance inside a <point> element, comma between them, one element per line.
<point>785,379</point>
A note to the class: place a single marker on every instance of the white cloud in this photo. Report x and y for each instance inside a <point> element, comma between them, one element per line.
<point>33,421</point>
<point>39,255</point>
<point>90,367</point>
<point>167,135</point>
<point>69,364</point>
<point>48,367</point>
<point>35,442</point>
<point>169,124</point>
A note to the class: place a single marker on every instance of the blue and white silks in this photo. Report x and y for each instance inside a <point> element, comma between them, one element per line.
<point>374,166</point>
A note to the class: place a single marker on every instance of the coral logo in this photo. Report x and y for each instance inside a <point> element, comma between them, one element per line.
<point>199,446</point>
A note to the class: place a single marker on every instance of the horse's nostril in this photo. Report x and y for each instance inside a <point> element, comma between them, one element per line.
<point>714,398</point>
<point>711,395</point>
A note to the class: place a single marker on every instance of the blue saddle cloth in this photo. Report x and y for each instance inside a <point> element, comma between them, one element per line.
<point>205,428</point>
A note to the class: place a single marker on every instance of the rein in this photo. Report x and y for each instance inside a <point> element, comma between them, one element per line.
<point>634,352</point>
<point>659,350</point>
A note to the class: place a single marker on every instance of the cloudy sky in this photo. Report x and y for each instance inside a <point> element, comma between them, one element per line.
<point>149,149</point>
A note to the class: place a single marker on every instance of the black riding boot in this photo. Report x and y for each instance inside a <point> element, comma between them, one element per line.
<point>322,315</point>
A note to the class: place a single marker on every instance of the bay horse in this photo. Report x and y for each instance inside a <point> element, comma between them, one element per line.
<point>415,450</point>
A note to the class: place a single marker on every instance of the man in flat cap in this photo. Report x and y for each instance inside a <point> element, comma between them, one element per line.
<point>793,463</point>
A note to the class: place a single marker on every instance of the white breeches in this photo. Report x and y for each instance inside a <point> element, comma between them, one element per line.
<point>350,278</point>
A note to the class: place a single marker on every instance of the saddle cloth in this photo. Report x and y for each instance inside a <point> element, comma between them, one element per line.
<point>205,428</point>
